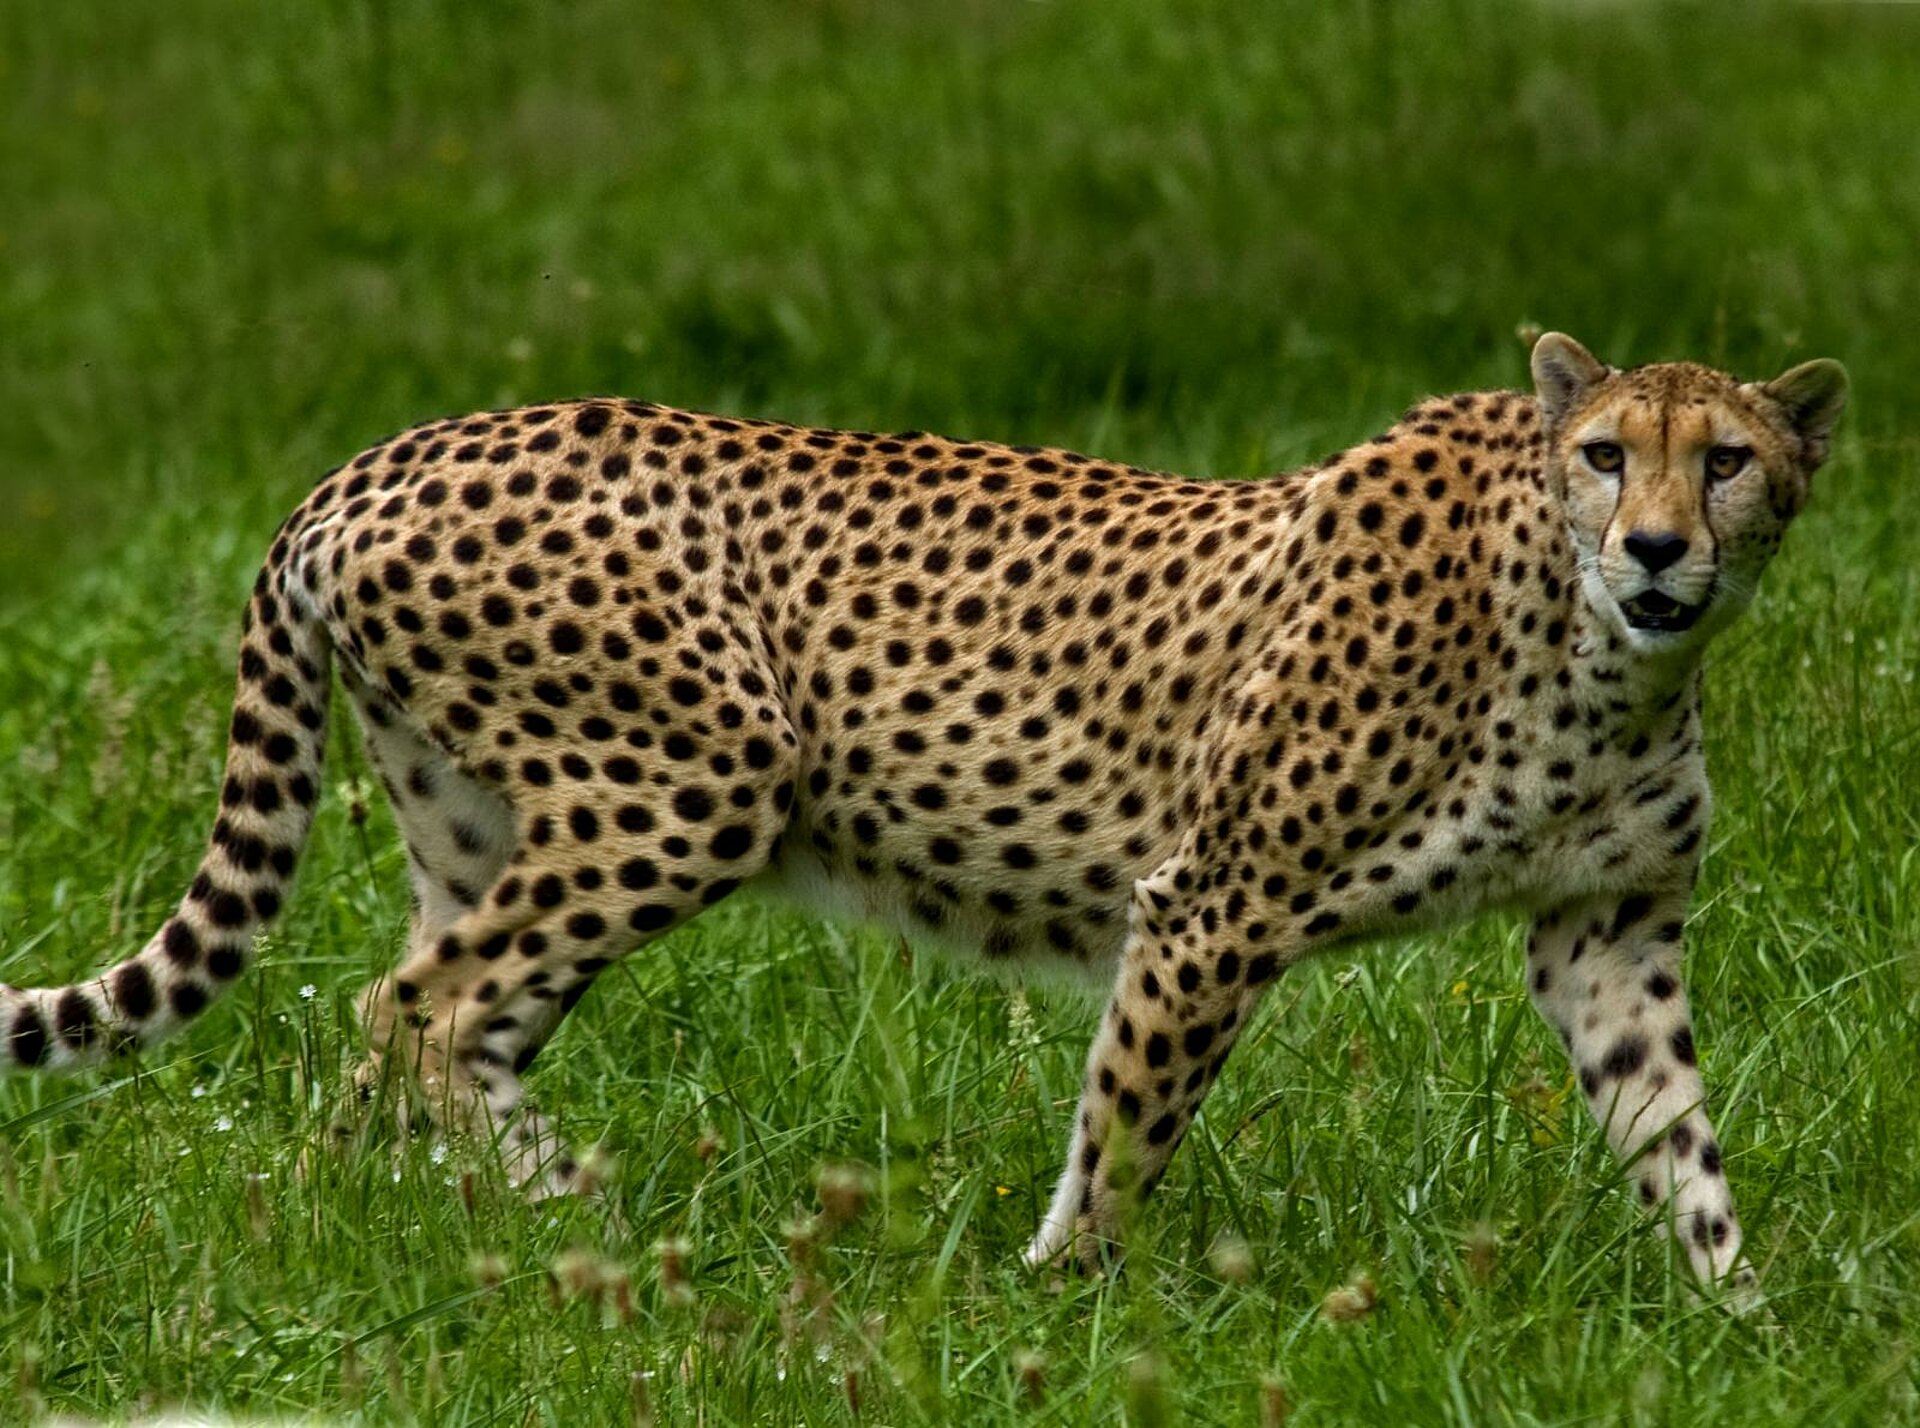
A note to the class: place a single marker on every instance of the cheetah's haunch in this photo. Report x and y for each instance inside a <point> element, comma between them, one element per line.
<point>613,661</point>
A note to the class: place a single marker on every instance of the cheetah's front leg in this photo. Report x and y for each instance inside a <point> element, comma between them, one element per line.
<point>1606,974</point>
<point>1188,981</point>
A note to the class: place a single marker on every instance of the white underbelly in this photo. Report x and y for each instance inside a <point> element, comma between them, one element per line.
<point>977,939</point>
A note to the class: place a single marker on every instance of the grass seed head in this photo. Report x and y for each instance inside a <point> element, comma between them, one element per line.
<point>803,1240</point>
<point>592,1172</point>
<point>488,1269</point>
<point>1231,1258</point>
<point>1353,1300</point>
<point>843,1194</point>
<point>584,1274</point>
<point>1275,1406</point>
<point>708,1145</point>
<point>1480,1253</point>
<point>26,1376</point>
<point>1030,1372</point>
<point>1359,1057</point>
<point>676,1283</point>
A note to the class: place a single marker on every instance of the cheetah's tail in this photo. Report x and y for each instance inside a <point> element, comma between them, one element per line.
<point>274,752</point>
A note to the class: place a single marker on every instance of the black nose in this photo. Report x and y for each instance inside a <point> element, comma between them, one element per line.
<point>1656,550</point>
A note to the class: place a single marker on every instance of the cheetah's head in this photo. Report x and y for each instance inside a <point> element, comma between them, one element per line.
<point>1678,481</point>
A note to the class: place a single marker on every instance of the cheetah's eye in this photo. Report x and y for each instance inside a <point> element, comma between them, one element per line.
<point>1726,462</point>
<point>1605,457</point>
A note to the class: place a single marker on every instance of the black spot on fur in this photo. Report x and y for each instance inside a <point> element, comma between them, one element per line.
<point>27,1037</point>
<point>133,992</point>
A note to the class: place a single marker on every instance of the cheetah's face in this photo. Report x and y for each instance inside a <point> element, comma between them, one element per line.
<point>1678,481</point>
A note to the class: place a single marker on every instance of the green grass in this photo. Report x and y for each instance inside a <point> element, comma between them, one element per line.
<point>241,239</point>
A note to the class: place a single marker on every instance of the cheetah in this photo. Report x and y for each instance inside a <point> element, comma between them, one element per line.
<point>613,661</point>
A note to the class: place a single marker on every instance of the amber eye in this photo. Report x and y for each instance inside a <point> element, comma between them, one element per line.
<point>1726,462</point>
<point>1604,456</point>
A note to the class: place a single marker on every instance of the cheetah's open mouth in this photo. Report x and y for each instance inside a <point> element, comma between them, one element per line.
<point>1651,610</point>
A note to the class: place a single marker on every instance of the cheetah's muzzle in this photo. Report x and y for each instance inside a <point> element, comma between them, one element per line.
<point>613,661</point>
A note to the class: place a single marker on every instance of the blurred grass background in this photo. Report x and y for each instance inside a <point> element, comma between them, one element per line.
<point>242,238</point>
<point>239,240</point>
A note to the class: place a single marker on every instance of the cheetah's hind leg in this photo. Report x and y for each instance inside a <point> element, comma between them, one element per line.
<point>603,864</point>
<point>459,838</point>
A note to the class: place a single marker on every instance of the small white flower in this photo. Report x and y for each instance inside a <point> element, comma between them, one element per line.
<point>1020,1020</point>
<point>353,790</point>
<point>438,1155</point>
<point>198,1092</point>
<point>309,992</point>
<point>225,1123</point>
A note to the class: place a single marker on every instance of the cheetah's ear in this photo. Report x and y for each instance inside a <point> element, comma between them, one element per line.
<point>1563,370</point>
<point>1811,396</point>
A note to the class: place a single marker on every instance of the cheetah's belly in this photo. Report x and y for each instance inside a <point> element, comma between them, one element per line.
<point>1083,944</point>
